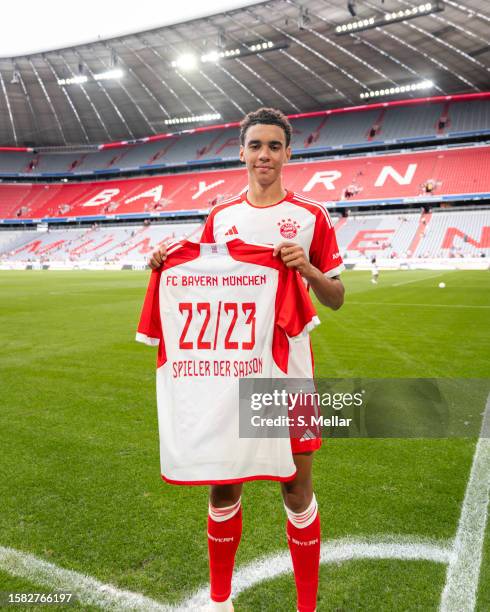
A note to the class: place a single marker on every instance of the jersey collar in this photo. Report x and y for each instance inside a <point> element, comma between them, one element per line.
<point>245,199</point>
<point>205,248</point>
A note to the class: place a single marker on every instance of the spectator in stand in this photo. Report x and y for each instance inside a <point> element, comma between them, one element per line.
<point>350,191</point>
<point>429,186</point>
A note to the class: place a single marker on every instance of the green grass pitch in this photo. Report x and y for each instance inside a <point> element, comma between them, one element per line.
<point>79,461</point>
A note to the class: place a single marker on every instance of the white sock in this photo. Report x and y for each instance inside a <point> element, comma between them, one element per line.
<point>224,514</point>
<point>305,518</point>
<point>221,606</point>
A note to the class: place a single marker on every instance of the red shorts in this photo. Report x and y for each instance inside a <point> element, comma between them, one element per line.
<point>305,445</point>
<point>305,438</point>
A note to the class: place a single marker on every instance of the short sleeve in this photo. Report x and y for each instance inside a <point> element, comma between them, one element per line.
<point>295,316</point>
<point>295,313</point>
<point>150,327</point>
<point>324,250</point>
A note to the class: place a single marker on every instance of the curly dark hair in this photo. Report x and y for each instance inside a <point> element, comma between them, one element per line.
<point>266,116</point>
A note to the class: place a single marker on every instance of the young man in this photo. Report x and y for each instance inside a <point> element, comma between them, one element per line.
<point>304,238</point>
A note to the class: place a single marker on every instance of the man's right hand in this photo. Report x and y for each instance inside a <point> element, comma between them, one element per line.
<point>158,257</point>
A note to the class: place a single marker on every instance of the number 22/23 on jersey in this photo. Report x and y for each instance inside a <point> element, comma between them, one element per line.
<point>218,313</point>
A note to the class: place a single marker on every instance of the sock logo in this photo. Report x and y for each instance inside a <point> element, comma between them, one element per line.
<point>301,543</point>
<point>220,540</point>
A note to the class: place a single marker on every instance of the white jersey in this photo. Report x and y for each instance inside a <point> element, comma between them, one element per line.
<point>219,313</point>
<point>295,218</point>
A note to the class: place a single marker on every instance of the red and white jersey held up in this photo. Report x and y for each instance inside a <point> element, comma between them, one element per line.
<point>218,313</point>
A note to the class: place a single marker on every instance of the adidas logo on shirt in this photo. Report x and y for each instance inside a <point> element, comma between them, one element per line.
<point>232,231</point>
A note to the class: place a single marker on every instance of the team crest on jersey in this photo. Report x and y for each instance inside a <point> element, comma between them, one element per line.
<point>288,228</point>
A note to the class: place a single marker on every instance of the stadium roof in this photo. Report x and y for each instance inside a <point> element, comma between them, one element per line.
<point>283,53</point>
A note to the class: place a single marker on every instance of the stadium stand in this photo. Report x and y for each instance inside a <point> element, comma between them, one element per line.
<point>465,118</point>
<point>436,175</point>
<point>456,234</point>
<point>370,126</point>
<point>429,176</point>
<point>128,245</point>
<point>10,240</point>
<point>410,123</point>
<point>398,237</point>
<point>148,155</point>
<point>13,163</point>
<point>438,235</point>
<point>387,235</point>
<point>332,131</point>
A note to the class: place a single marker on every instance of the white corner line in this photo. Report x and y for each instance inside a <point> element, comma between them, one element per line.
<point>89,590</point>
<point>461,588</point>
<point>108,597</point>
<point>336,551</point>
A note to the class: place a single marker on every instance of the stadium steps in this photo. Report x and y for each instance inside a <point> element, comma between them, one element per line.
<point>424,223</point>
